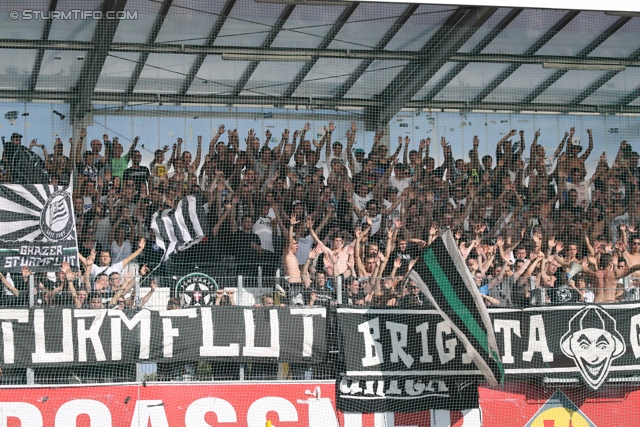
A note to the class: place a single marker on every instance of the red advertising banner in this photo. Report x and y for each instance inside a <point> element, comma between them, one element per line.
<point>299,404</point>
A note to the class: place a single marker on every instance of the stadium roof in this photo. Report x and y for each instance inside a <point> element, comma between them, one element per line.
<point>380,57</point>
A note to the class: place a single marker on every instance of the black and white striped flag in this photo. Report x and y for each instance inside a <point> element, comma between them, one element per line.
<point>181,227</point>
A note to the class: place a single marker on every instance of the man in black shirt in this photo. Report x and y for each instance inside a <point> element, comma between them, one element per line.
<point>138,174</point>
<point>248,251</point>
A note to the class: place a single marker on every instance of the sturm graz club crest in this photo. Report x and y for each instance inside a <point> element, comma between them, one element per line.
<point>593,342</point>
<point>56,218</point>
<point>195,289</point>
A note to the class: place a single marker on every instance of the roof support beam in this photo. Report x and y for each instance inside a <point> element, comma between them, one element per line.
<point>320,105</point>
<point>629,98</point>
<point>402,19</point>
<point>461,25</point>
<point>213,34</point>
<point>102,38</point>
<point>601,81</point>
<point>335,29</point>
<point>45,36</point>
<point>583,53</point>
<point>475,51</point>
<point>497,81</point>
<point>368,54</point>
<point>133,81</point>
<point>265,45</point>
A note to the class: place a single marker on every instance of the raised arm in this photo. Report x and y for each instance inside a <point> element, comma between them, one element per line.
<point>328,131</point>
<point>145,299</point>
<point>589,148</point>
<point>405,153</point>
<point>196,161</point>
<point>135,254</point>
<point>214,141</point>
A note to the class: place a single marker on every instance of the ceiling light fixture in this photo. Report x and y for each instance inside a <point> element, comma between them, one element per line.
<point>624,14</point>
<point>264,57</point>
<point>308,2</point>
<point>583,66</point>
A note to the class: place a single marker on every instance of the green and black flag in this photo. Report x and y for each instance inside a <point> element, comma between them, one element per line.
<point>446,281</point>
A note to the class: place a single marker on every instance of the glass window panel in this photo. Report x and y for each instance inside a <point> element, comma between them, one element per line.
<point>217,76</point>
<point>623,43</point>
<point>116,71</point>
<point>306,27</point>
<point>138,30</point>
<point>16,73</point>
<point>524,31</point>
<point>635,102</point>
<point>470,82</point>
<point>433,81</point>
<point>378,75</point>
<point>189,21</point>
<point>418,29</point>
<point>484,30</point>
<point>272,78</point>
<point>326,77</point>
<point>75,29</point>
<point>519,84</point>
<point>16,28</point>
<point>60,69</point>
<point>577,34</point>
<point>568,87</point>
<point>367,25</point>
<point>616,88</point>
<point>249,23</point>
<point>164,73</point>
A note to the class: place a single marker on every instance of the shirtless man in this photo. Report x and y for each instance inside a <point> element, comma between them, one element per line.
<point>291,267</point>
<point>573,159</point>
<point>607,277</point>
<point>631,255</point>
<point>336,257</point>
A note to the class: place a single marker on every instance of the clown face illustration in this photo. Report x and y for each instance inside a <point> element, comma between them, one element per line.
<point>593,343</point>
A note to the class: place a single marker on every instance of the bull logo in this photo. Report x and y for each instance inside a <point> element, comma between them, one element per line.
<point>593,342</point>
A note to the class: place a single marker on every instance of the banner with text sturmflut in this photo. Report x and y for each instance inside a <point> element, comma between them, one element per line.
<point>60,336</point>
<point>396,359</point>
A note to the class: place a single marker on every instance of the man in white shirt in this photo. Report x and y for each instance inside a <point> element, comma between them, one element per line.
<point>105,261</point>
<point>264,229</point>
<point>338,153</point>
<point>401,178</point>
<point>357,158</point>
<point>582,186</point>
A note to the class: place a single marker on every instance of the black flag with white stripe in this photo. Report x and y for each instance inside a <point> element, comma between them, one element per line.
<point>181,227</point>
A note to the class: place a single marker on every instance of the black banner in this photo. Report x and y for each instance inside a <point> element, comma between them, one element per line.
<point>411,360</point>
<point>402,360</point>
<point>57,337</point>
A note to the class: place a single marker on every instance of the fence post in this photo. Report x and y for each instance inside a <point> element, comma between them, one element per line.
<point>259,277</point>
<point>240,292</point>
<point>31,288</point>
<point>137,287</point>
<point>30,373</point>
<point>339,289</point>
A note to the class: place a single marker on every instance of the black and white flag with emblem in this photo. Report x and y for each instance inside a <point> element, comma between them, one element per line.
<point>181,227</point>
<point>37,227</point>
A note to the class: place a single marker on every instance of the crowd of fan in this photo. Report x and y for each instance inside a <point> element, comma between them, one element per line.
<point>323,212</point>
